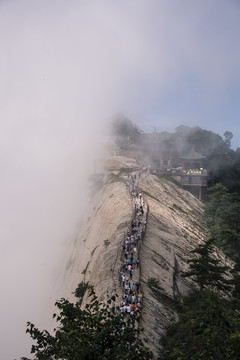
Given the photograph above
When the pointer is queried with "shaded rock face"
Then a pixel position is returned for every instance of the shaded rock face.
(172, 231)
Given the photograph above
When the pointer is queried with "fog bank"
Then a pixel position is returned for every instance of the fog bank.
(53, 112)
(44, 191)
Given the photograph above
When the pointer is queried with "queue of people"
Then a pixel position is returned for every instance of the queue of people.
(131, 302)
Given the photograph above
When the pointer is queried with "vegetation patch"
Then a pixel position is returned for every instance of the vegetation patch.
(171, 182)
(162, 225)
(179, 208)
(94, 332)
(167, 178)
(151, 196)
(161, 180)
(209, 323)
(222, 218)
(106, 243)
(93, 251)
(85, 270)
(80, 291)
(175, 275)
(112, 178)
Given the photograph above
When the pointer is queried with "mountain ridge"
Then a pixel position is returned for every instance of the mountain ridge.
(173, 230)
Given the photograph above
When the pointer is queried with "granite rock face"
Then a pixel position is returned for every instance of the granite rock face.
(173, 230)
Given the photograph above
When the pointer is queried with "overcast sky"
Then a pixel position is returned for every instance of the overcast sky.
(65, 67)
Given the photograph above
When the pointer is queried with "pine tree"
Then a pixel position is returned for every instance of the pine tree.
(235, 281)
(205, 270)
(222, 217)
(208, 328)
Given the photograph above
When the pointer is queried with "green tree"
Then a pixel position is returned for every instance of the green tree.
(215, 196)
(80, 291)
(96, 332)
(222, 217)
(228, 137)
(205, 270)
(208, 329)
(235, 281)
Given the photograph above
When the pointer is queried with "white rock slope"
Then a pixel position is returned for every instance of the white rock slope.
(173, 230)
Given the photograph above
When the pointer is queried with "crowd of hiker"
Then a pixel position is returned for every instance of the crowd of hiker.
(131, 302)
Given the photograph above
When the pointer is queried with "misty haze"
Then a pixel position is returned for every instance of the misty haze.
(95, 95)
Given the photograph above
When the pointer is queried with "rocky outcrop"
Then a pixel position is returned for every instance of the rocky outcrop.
(173, 230)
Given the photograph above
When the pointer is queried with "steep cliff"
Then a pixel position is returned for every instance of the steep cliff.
(172, 231)
(96, 252)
